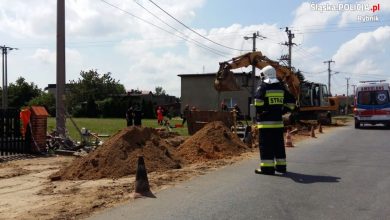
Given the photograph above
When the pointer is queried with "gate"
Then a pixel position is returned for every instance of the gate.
(11, 140)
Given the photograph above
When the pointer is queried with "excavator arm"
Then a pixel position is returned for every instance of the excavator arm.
(225, 80)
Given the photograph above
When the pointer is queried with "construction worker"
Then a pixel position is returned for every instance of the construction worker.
(137, 115)
(129, 116)
(185, 114)
(238, 111)
(160, 115)
(270, 100)
(224, 107)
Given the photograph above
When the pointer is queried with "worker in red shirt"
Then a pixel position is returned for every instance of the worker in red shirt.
(160, 115)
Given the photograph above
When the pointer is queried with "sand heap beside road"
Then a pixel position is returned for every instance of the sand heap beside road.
(213, 141)
(118, 156)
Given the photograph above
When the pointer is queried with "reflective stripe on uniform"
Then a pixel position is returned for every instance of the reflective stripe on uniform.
(274, 93)
(275, 97)
(280, 162)
(259, 102)
(290, 105)
(270, 124)
(267, 163)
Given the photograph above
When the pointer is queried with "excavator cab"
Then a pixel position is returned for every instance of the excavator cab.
(225, 80)
(313, 95)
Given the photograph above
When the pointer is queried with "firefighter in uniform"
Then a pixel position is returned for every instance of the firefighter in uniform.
(271, 101)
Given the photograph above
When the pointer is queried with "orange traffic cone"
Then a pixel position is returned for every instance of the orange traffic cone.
(320, 128)
(142, 188)
(288, 142)
(313, 134)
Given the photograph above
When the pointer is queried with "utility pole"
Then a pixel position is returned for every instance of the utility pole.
(329, 71)
(5, 50)
(354, 87)
(253, 75)
(60, 97)
(289, 44)
(347, 103)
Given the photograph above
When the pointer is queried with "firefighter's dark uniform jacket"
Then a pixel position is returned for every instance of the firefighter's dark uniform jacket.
(271, 101)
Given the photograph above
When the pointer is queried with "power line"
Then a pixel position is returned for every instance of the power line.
(192, 30)
(306, 55)
(151, 13)
(141, 19)
(318, 72)
(104, 43)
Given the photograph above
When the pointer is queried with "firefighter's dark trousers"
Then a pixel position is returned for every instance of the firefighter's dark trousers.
(272, 152)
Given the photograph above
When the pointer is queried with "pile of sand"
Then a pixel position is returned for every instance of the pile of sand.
(213, 141)
(118, 156)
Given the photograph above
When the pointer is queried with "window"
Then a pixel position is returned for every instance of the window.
(229, 102)
(305, 96)
(325, 91)
(373, 97)
(364, 98)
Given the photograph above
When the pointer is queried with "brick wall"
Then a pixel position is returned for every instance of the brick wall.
(39, 127)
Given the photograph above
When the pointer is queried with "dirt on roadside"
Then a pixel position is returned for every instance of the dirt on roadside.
(27, 192)
(119, 155)
(213, 141)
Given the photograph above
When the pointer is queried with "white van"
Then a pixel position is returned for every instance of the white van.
(372, 103)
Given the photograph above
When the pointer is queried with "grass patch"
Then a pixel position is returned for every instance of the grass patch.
(109, 126)
(343, 117)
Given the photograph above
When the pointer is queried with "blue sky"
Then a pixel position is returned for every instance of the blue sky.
(143, 56)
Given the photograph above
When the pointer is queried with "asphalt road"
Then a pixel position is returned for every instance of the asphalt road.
(344, 174)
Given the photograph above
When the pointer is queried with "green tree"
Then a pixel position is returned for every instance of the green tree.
(21, 92)
(92, 87)
(159, 91)
(47, 100)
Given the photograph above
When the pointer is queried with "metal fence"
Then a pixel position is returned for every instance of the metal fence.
(11, 140)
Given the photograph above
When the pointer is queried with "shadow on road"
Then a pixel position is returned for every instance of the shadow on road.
(307, 179)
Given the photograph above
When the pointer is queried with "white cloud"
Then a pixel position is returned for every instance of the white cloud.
(44, 56)
(363, 46)
(73, 57)
(149, 67)
(366, 56)
(306, 17)
(21, 19)
(86, 18)
(143, 56)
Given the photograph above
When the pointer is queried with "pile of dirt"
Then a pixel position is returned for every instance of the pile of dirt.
(213, 141)
(118, 156)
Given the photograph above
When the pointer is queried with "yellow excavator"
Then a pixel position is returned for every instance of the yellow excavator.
(313, 99)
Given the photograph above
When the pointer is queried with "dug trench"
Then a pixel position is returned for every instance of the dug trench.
(74, 188)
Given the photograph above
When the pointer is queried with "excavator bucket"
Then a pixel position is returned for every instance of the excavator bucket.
(225, 80)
